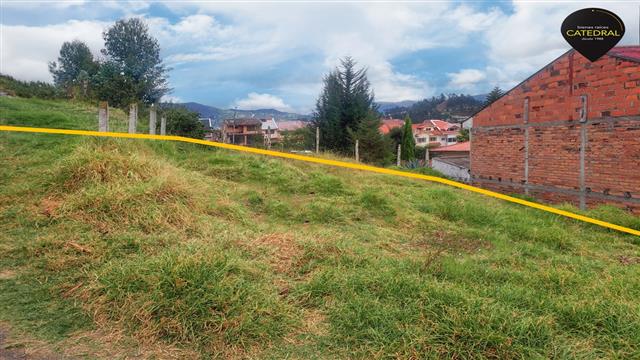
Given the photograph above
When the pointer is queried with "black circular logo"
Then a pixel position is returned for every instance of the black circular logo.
(592, 31)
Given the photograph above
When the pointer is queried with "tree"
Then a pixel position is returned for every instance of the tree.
(346, 101)
(494, 95)
(133, 58)
(463, 135)
(407, 151)
(74, 68)
(183, 122)
(112, 85)
(373, 147)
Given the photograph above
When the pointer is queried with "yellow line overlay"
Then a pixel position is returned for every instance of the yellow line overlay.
(337, 163)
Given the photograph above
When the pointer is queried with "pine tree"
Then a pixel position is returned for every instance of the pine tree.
(408, 142)
(373, 147)
(346, 101)
(494, 95)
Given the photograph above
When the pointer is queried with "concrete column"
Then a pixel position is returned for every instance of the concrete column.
(357, 153)
(525, 116)
(152, 119)
(103, 116)
(583, 151)
(163, 125)
(398, 160)
(317, 140)
(133, 118)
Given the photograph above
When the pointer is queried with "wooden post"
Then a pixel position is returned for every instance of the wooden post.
(152, 119)
(357, 153)
(163, 125)
(133, 118)
(317, 140)
(426, 155)
(398, 158)
(103, 116)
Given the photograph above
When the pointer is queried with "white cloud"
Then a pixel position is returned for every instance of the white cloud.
(466, 78)
(255, 101)
(171, 99)
(26, 50)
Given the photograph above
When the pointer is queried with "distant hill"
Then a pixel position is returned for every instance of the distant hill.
(451, 107)
(217, 114)
(386, 105)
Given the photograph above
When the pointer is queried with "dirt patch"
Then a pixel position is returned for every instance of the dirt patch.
(283, 250)
(629, 260)
(7, 275)
(11, 349)
(314, 323)
(49, 207)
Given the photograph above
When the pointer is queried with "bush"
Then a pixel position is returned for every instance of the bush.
(29, 89)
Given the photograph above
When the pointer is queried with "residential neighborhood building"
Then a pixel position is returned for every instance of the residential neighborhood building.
(429, 132)
(568, 133)
(291, 125)
(211, 132)
(243, 131)
(270, 131)
(452, 160)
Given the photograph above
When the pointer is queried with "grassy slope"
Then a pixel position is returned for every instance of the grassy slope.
(120, 246)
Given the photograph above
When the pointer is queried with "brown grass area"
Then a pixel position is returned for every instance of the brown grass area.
(282, 248)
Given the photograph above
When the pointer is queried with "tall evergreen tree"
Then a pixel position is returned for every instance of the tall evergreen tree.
(408, 148)
(346, 101)
(494, 95)
(74, 68)
(133, 55)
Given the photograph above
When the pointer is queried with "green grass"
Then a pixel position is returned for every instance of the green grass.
(223, 254)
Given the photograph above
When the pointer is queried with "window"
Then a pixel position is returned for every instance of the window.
(421, 140)
(433, 138)
(451, 140)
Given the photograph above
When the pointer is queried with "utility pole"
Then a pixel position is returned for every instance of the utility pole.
(317, 140)
(357, 153)
(398, 158)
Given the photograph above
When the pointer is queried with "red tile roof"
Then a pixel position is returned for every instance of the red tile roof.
(463, 146)
(290, 125)
(626, 52)
(389, 124)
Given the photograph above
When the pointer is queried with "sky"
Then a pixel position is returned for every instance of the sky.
(261, 54)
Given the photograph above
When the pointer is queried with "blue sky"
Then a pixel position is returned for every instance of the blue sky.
(274, 54)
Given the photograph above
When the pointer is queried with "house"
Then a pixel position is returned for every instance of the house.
(242, 131)
(435, 133)
(270, 131)
(291, 125)
(568, 133)
(452, 160)
(428, 132)
(211, 133)
(388, 124)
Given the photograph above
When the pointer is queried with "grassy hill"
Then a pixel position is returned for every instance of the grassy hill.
(121, 248)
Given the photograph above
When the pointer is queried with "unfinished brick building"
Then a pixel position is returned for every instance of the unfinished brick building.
(569, 133)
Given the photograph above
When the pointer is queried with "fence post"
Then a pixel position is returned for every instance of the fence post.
(103, 116)
(152, 119)
(133, 118)
(357, 153)
(398, 158)
(317, 140)
(426, 155)
(163, 125)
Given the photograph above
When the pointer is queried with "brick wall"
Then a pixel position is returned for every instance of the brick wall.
(537, 139)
